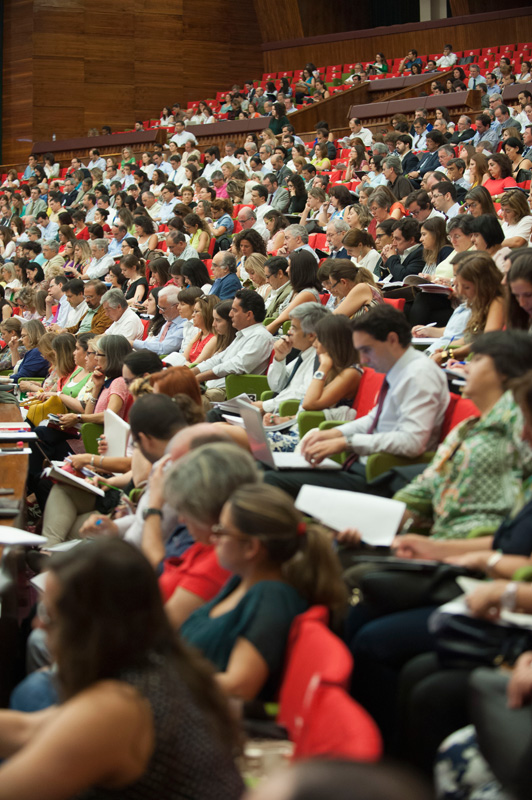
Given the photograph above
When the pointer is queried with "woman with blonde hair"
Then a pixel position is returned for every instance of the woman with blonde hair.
(358, 216)
(257, 274)
(280, 565)
(46, 399)
(33, 364)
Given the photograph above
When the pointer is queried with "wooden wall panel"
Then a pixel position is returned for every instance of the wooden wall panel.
(396, 43)
(72, 65)
(278, 21)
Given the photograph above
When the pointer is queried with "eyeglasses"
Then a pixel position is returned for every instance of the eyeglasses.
(333, 285)
(219, 530)
(469, 205)
(166, 307)
(434, 196)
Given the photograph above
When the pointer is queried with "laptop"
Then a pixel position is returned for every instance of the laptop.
(260, 446)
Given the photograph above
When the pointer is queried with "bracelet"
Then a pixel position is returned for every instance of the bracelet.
(509, 597)
(493, 560)
(92, 461)
(101, 460)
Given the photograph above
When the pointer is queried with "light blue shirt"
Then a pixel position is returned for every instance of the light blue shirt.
(171, 342)
(453, 330)
(115, 248)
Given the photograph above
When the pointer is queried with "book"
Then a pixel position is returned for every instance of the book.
(56, 473)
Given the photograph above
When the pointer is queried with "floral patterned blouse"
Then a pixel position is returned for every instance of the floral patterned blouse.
(475, 479)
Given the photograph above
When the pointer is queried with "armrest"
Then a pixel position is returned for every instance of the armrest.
(523, 574)
(288, 408)
(378, 463)
(267, 395)
(309, 419)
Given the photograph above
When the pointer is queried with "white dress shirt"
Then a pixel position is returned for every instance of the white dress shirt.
(249, 352)
(447, 61)
(214, 166)
(98, 163)
(178, 176)
(129, 325)
(412, 413)
(181, 138)
(99, 268)
(365, 134)
(75, 314)
(279, 373)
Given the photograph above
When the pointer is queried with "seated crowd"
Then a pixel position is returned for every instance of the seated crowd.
(159, 291)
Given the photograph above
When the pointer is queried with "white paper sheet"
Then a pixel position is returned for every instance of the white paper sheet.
(10, 537)
(116, 433)
(377, 518)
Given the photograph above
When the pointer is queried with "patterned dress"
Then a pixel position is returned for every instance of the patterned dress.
(475, 478)
(188, 762)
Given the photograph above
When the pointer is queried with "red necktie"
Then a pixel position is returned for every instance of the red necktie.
(380, 402)
(164, 331)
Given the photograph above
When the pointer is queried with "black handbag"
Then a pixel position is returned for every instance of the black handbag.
(468, 642)
(389, 585)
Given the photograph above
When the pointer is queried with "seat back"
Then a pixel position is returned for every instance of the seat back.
(368, 390)
(313, 654)
(335, 726)
(397, 302)
(459, 409)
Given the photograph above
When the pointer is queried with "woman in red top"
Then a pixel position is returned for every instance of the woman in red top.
(203, 345)
(81, 231)
(501, 178)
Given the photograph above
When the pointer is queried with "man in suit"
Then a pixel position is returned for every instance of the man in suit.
(405, 255)
(463, 132)
(429, 160)
(336, 231)
(409, 160)
(36, 204)
(278, 197)
(502, 115)
(281, 171)
(527, 141)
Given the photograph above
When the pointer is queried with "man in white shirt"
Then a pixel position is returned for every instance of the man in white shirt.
(289, 105)
(74, 292)
(292, 380)
(103, 202)
(356, 130)
(177, 173)
(170, 337)
(420, 135)
(96, 160)
(151, 204)
(406, 420)
(250, 350)
(178, 248)
(124, 320)
(259, 198)
(181, 135)
(89, 206)
(212, 162)
(265, 153)
(230, 148)
(101, 261)
(49, 230)
(170, 199)
(444, 199)
(248, 219)
(448, 59)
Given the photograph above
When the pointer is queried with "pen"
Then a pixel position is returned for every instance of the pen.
(430, 325)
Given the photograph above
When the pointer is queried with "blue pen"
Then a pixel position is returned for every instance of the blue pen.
(98, 522)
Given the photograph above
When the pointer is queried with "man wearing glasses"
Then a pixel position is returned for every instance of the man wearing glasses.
(170, 337)
(419, 206)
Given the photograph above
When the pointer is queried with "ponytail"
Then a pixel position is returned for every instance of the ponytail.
(302, 550)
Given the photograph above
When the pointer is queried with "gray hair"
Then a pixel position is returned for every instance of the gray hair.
(203, 480)
(448, 148)
(148, 194)
(496, 97)
(394, 162)
(115, 298)
(102, 244)
(250, 214)
(52, 244)
(228, 261)
(217, 175)
(170, 292)
(379, 147)
(309, 314)
(298, 231)
(267, 147)
(339, 224)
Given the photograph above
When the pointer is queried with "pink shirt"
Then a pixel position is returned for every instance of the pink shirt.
(222, 191)
(119, 387)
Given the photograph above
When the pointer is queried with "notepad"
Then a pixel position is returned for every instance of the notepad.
(11, 537)
(377, 518)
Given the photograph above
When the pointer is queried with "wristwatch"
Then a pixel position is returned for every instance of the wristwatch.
(509, 597)
(148, 512)
(319, 375)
